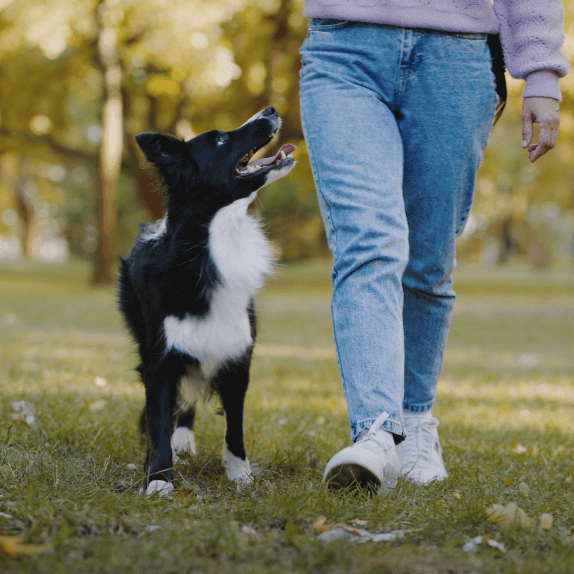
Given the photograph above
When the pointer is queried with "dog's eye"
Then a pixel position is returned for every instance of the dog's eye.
(222, 139)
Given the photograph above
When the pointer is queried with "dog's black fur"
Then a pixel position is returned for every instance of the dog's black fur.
(187, 287)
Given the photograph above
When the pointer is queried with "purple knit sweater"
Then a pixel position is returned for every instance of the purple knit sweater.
(530, 30)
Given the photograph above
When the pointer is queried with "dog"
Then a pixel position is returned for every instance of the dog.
(187, 286)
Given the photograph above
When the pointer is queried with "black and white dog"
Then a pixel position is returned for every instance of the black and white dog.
(187, 287)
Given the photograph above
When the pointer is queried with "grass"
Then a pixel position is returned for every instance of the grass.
(71, 481)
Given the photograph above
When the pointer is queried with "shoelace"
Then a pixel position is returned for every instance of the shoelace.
(424, 445)
(376, 426)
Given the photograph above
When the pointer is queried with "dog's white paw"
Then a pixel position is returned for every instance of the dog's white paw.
(162, 487)
(182, 440)
(236, 469)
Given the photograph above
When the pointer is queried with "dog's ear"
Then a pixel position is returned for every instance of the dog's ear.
(160, 149)
(167, 153)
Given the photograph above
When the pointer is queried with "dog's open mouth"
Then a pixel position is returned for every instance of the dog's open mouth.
(282, 156)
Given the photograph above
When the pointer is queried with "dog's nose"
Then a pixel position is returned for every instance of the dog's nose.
(269, 111)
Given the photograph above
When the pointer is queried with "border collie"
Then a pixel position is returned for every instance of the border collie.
(187, 287)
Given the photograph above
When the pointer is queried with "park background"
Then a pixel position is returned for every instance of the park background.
(78, 79)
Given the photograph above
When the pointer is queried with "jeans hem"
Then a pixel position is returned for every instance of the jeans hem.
(393, 427)
(407, 408)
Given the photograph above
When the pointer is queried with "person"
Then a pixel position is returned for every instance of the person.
(397, 104)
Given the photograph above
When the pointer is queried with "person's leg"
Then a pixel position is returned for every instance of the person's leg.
(446, 113)
(356, 155)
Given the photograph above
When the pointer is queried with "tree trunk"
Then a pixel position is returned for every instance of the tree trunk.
(110, 157)
(13, 168)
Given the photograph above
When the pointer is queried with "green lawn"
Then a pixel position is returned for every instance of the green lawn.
(506, 405)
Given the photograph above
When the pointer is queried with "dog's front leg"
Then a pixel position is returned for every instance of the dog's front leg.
(232, 386)
(160, 387)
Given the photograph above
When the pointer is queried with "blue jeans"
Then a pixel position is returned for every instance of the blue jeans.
(396, 121)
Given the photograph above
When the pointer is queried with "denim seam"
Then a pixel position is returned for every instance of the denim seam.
(399, 82)
(333, 230)
(318, 182)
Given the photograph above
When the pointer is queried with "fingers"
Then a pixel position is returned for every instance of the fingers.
(546, 141)
(526, 131)
(544, 144)
(544, 112)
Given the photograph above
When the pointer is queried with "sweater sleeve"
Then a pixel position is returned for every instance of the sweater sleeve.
(531, 36)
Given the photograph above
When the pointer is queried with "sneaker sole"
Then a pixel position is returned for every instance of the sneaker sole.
(344, 475)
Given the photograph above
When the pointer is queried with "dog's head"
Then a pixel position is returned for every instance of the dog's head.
(214, 167)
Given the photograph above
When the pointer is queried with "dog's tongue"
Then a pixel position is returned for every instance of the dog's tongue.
(286, 149)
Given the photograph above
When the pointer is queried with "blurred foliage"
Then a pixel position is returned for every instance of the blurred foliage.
(192, 65)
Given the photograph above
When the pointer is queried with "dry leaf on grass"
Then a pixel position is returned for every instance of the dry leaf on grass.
(505, 515)
(187, 493)
(13, 546)
(320, 524)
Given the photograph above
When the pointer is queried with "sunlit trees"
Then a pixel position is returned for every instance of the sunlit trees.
(79, 79)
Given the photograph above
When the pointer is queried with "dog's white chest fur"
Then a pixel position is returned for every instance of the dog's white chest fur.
(242, 255)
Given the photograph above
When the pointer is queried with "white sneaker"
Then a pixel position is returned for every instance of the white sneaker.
(420, 453)
(372, 462)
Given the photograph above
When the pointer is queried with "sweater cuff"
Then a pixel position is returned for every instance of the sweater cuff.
(542, 84)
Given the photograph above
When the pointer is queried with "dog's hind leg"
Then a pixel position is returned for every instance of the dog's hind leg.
(161, 386)
(231, 383)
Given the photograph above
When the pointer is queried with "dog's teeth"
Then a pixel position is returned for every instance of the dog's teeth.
(283, 156)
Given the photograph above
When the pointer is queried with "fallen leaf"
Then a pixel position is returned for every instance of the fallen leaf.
(320, 524)
(505, 515)
(13, 546)
(187, 493)
(507, 481)
(546, 521)
(457, 495)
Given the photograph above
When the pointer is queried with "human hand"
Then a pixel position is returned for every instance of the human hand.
(544, 112)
